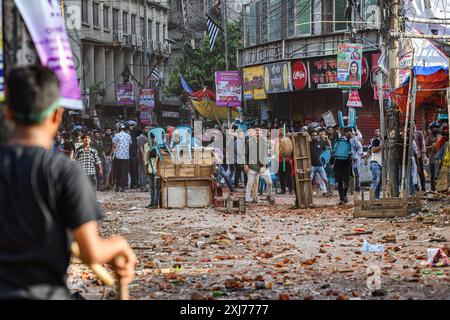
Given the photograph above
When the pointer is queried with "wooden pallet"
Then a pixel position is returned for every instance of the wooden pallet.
(384, 208)
(302, 166)
(186, 192)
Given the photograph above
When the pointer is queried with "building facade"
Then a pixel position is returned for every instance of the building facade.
(110, 48)
(304, 35)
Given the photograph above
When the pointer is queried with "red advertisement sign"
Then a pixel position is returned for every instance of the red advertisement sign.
(354, 100)
(299, 75)
(323, 73)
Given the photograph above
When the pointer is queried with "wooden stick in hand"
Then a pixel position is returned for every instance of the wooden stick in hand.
(102, 274)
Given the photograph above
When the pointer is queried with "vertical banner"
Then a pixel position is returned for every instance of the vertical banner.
(2, 60)
(349, 66)
(147, 104)
(228, 89)
(147, 98)
(46, 26)
(125, 94)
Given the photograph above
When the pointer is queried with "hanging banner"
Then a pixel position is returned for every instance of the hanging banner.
(46, 26)
(299, 75)
(349, 66)
(354, 100)
(277, 77)
(146, 116)
(364, 71)
(376, 92)
(322, 73)
(253, 83)
(125, 94)
(228, 88)
(2, 60)
(147, 98)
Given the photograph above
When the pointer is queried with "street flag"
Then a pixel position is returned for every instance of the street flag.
(155, 74)
(213, 31)
(185, 85)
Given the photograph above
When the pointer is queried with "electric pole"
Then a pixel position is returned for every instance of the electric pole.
(393, 119)
(145, 43)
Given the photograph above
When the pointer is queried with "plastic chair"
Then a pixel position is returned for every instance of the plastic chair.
(184, 135)
(161, 141)
(351, 123)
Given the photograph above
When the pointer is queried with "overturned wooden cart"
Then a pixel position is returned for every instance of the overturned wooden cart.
(187, 183)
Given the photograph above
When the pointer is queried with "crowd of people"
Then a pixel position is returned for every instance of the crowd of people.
(123, 158)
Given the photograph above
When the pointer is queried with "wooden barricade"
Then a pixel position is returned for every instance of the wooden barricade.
(302, 166)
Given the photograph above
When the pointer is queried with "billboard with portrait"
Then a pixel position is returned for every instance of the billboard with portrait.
(349, 66)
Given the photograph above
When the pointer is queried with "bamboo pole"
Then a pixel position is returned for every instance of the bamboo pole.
(405, 133)
(411, 136)
(383, 132)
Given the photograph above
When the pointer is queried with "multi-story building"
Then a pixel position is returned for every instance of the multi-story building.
(110, 48)
(308, 32)
(303, 36)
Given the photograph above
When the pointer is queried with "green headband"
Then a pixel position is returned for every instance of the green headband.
(37, 117)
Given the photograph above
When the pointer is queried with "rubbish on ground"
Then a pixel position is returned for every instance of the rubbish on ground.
(389, 238)
(438, 257)
(132, 209)
(368, 247)
(357, 233)
(217, 294)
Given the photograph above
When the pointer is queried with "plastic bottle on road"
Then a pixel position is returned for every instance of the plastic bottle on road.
(367, 247)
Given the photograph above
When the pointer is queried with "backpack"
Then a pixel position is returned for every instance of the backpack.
(342, 149)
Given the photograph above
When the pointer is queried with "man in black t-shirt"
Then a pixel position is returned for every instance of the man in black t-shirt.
(45, 198)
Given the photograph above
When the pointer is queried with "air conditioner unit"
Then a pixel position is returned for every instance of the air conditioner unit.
(133, 40)
(139, 41)
(118, 36)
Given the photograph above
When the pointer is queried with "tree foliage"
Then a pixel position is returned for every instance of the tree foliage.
(198, 67)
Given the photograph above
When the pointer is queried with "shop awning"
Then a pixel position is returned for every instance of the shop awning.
(431, 84)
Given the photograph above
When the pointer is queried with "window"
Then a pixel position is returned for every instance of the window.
(142, 24)
(274, 20)
(133, 24)
(340, 7)
(105, 17)
(250, 24)
(125, 22)
(304, 17)
(150, 30)
(84, 11)
(115, 19)
(292, 20)
(95, 9)
(327, 15)
(158, 32)
(164, 32)
(264, 21)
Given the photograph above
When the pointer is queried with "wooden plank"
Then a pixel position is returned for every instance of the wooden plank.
(380, 213)
(302, 165)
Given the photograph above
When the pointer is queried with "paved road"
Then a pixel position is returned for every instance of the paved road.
(271, 252)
